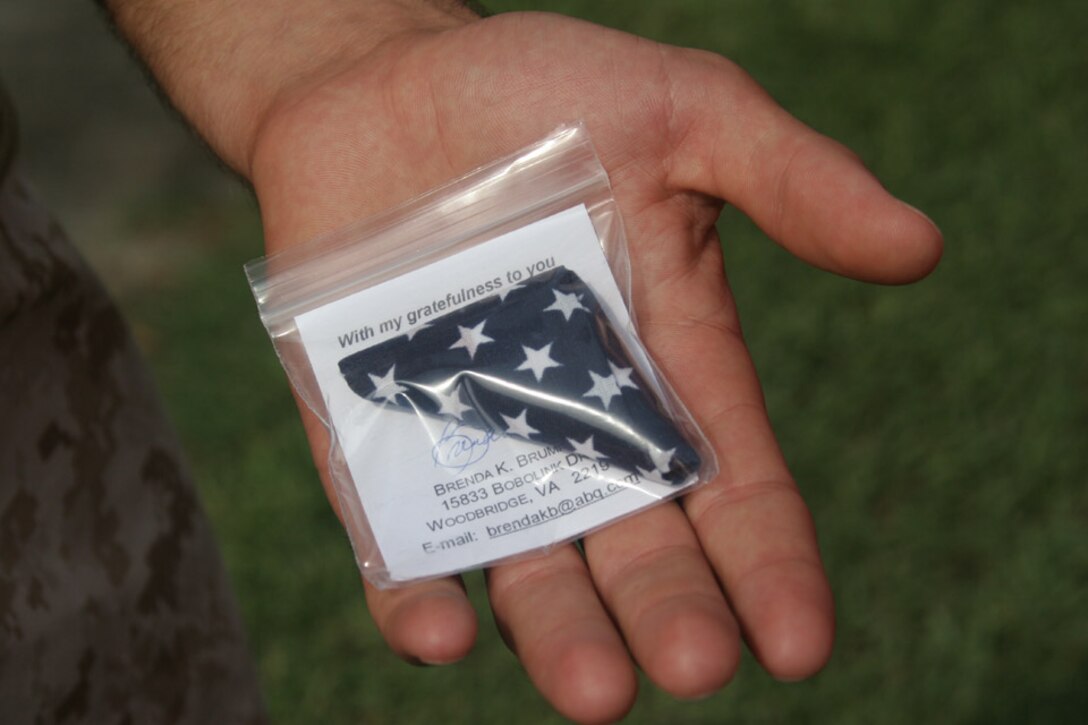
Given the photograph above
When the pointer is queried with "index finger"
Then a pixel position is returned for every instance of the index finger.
(751, 522)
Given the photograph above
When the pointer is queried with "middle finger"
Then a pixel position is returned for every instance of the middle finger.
(652, 574)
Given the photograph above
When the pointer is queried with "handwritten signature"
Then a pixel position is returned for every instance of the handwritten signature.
(461, 445)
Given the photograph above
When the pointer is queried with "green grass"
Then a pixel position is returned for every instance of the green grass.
(940, 432)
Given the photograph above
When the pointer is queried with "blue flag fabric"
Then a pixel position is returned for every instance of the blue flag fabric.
(539, 361)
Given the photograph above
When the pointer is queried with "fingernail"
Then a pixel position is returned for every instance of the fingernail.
(434, 663)
(922, 214)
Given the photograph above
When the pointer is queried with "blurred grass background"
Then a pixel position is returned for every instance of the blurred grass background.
(939, 432)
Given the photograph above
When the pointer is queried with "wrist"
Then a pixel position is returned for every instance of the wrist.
(227, 67)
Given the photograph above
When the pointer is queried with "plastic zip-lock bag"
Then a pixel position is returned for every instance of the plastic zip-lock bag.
(475, 360)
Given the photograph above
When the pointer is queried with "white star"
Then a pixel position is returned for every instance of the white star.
(566, 304)
(385, 387)
(412, 333)
(662, 459)
(471, 338)
(519, 426)
(648, 475)
(538, 360)
(604, 387)
(585, 448)
(453, 405)
(622, 376)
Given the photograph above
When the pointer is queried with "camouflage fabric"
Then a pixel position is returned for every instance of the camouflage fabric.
(7, 132)
(114, 606)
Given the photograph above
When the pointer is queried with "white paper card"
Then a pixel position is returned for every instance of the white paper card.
(441, 501)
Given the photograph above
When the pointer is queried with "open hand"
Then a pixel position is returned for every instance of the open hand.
(673, 589)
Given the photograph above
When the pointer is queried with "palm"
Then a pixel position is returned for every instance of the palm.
(677, 131)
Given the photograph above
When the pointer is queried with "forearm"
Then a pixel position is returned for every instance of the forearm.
(226, 63)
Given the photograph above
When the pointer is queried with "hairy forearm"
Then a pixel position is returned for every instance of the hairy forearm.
(226, 63)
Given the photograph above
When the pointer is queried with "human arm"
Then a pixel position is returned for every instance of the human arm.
(367, 126)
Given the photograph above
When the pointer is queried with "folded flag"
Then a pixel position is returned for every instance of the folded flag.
(540, 362)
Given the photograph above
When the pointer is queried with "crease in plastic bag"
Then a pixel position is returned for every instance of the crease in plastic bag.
(512, 411)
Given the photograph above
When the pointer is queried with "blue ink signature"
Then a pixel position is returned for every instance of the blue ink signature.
(461, 445)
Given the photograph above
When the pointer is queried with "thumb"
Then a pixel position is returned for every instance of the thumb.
(807, 192)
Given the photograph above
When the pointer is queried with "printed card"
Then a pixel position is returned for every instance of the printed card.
(493, 403)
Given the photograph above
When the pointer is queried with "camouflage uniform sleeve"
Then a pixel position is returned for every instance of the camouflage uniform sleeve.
(114, 604)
